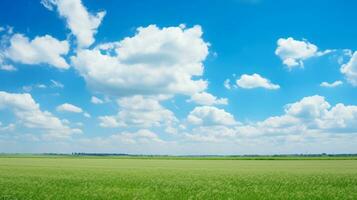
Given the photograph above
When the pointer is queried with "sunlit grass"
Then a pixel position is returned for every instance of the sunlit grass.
(92, 178)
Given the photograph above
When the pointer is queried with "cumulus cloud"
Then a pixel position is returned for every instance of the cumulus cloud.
(209, 124)
(207, 99)
(209, 115)
(293, 52)
(29, 114)
(40, 50)
(350, 69)
(66, 107)
(331, 85)
(311, 118)
(82, 23)
(108, 121)
(154, 61)
(139, 111)
(314, 115)
(255, 81)
(308, 108)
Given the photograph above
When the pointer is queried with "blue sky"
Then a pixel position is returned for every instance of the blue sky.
(184, 77)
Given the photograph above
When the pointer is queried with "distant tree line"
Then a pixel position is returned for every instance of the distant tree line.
(247, 155)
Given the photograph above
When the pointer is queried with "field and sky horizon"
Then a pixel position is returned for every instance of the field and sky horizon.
(185, 90)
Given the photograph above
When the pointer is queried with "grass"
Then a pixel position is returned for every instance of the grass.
(126, 178)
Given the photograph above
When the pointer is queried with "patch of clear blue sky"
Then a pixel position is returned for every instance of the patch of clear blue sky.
(242, 33)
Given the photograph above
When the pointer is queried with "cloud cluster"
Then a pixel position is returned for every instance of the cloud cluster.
(40, 50)
(207, 99)
(29, 114)
(209, 115)
(308, 119)
(315, 113)
(155, 61)
(139, 111)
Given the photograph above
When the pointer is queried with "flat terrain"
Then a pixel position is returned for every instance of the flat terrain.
(124, 178)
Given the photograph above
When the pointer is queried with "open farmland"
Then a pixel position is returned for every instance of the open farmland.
(127, 178)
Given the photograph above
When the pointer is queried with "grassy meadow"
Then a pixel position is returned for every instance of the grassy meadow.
(126, 178)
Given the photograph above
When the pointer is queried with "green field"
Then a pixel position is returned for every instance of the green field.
(126, 178)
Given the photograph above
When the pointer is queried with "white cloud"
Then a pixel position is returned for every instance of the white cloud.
(315, 113)
(293, 52)
(311, 118)
(227, 84)
(155, 61)
(331, 85)
(41, 50)
(340, 117)
(209, 115)
(66, 107)
(350, 69)
(255, 81)
(28, 112)
(207, 99)
(96, 100)
(139, 111)
(82, 24)
(108, 121)
(308, 108)
(9, 68)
